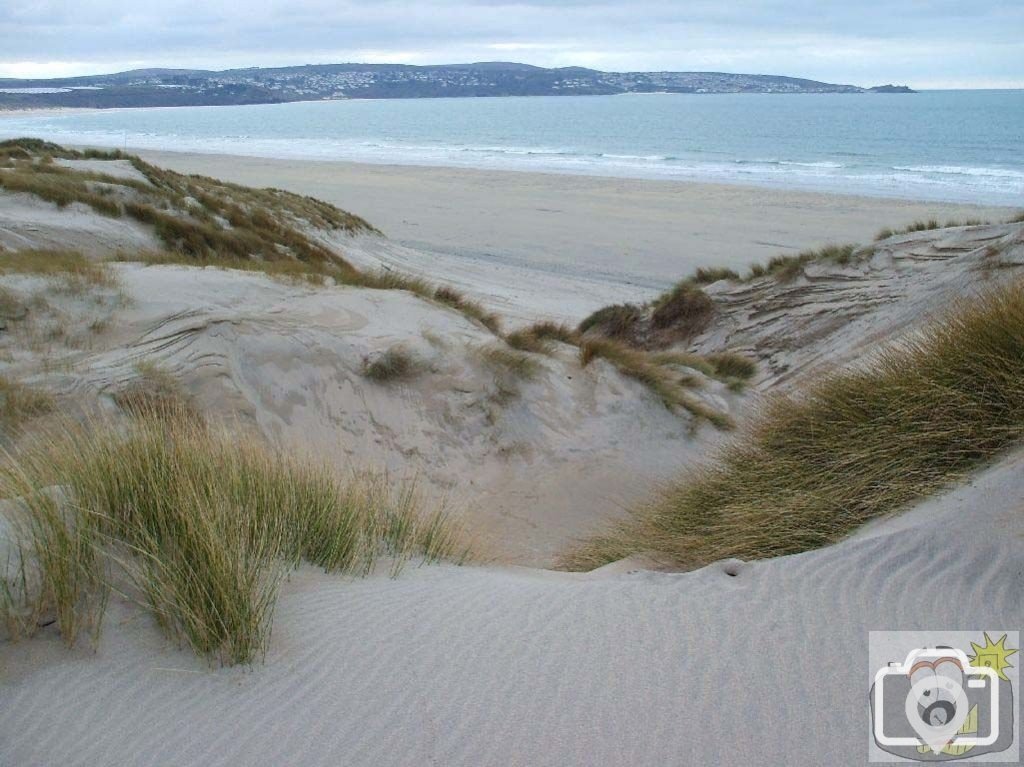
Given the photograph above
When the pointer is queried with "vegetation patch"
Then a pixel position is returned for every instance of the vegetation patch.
(208, 222)
(789, 267)
(654, 372)
(708, 275)
(686, 309)
(73, 272)
(202, 523)
(12, 306)
(20, 402)
(678, 314)
(618, 321)
(927, 225)
(155, 392)
(472, 309)
(508, 362)
(538, 338)
(395, 364)
(855, 446)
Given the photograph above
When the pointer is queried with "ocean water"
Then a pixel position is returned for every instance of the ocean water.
(942, 145)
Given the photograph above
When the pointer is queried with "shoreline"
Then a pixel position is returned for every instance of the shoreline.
(638, 233)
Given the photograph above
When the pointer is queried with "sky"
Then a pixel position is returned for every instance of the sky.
(921, 43)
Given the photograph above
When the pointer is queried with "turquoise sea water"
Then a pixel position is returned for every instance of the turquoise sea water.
(944, 145)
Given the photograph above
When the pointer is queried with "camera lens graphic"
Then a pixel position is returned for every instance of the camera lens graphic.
(938, 713)
(936, 707)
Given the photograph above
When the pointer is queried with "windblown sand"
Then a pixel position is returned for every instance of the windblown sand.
(757, 663)
(469, 666)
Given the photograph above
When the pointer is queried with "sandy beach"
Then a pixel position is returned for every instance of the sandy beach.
(629, 234)
(744, 653)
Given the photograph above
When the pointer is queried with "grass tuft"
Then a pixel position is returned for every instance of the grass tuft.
(686, 309)
(925, 225)
(537, 338)
(509, 362)
(395, 364)
(203, 523)
(154, 393)
(617, 321)
(855, 446)
(654, 372)
(473, 309)
(74, 272)
(707, 275)
(20, 403)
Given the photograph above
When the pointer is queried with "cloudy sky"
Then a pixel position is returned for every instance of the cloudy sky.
(924, 43)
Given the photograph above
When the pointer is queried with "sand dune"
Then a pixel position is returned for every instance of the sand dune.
(470, 666)
(536, 461)
(493, 664)
(611, 234)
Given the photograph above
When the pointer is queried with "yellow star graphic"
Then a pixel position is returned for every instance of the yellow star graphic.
(993, 655)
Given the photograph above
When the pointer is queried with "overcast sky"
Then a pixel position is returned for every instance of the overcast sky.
(923, 43)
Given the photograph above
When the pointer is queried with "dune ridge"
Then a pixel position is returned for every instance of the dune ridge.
(469, 666)
(733, 663)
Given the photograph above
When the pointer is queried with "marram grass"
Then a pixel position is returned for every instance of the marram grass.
(860, 444)
(203, 523)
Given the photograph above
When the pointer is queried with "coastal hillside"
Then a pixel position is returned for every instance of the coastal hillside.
(193, 87)
(294, 318)
(285, 325)
(269, 498)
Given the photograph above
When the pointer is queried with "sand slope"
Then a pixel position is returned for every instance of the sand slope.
(831, 314)
(759, 663)
(468, 666)
(628, 232)
(533, 462)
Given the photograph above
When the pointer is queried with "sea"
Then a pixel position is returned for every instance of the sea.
(964, 146)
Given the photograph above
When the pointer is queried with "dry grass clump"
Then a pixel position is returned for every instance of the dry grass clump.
(538, 338)
(12, 306)
(654, 372)
(386, 279)
(202, 523)
(395, 364)
(1017, 219)
(508, 362)
(286, 270)
(472, 309)
(789, 267)
(155, 392)
(686, 309)
(928, 225)
(729, 365)
(20, 403)
(706, 275)
(56, 187)
(858, 445)
(680, 313)
(617, 321)
(74, 272)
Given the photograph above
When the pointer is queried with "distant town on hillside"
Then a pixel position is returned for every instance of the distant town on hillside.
(193, 87)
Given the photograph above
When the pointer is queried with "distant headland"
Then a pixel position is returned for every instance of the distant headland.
(194, 87)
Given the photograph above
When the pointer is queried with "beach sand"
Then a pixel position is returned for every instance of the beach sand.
(507, 666)
(631, 234)
(755, 663)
